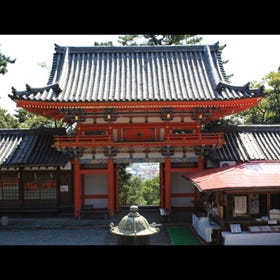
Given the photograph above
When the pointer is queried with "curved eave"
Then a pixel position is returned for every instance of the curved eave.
(221, 98)
(232, 103)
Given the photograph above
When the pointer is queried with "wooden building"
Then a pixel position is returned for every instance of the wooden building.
(34, 177)
(136, 104)
(245, 189)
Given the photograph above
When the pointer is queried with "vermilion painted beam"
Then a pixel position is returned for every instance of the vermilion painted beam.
(106, 140)
(126, 106)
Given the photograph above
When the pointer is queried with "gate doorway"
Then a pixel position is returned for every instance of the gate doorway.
(139, 184)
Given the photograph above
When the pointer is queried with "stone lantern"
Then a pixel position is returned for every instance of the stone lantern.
(134, 229)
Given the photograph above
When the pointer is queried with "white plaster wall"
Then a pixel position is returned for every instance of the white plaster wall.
(88, 120)
(96, 184)
(155, 155)
(182, 201)
(123, 120)
(100, 156)
(154, 119)
(139, 155)
(138, 119)
(123, 155)
(180, 184)
(40, 168)
(86, 156)
(67, 166)
(97, 203)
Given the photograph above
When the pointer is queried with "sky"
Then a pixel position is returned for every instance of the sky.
(251, 57)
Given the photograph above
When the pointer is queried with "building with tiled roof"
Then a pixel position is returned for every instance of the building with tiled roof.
(30, 148)
(242, 186)
(250, 142)
(32, 172)
(86, 77)
(136, 104)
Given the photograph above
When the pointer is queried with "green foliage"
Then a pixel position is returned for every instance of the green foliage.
(4, 60)
(133, 190)
(29, 120)
(268, 109)
(109, 43)
(232, 120)
(124, 176)
(151, 191)
(155, 39)
(128, 40)
(7, 120)
(124, 182)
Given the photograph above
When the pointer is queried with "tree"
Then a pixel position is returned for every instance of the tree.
(155, 39)
(215, 124)
(4, 60)
(7, 120)
(109, 43)
(268, 109)
(151, 191)
(124, 179)
(135, 191)
(29, 120)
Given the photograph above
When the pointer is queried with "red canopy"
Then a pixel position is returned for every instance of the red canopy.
(242, 176)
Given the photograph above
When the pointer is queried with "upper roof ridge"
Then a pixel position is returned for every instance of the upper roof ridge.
(138, 48)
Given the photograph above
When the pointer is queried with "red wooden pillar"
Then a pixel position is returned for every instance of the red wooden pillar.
(117, 202)
(162, 189)
(111, 210)
(167, 176)
(77, 188)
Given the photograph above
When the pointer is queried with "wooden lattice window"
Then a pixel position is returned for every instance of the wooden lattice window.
(40, 186)
(9, 186)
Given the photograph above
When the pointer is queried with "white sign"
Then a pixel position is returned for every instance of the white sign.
(64, 188)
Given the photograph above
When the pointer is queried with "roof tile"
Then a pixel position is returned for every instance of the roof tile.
(137, 73)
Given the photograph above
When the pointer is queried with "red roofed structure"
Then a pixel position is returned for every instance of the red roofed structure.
(251, 176)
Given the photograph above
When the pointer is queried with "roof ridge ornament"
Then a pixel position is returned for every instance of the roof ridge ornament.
(29, 90)
(222, 86)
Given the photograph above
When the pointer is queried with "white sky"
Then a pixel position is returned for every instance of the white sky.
(250, 57)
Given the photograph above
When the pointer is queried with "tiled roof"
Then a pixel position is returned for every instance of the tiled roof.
(251, 142)
(30, 147)
(137, 73)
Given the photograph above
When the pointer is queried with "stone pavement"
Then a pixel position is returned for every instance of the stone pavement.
(84, 231)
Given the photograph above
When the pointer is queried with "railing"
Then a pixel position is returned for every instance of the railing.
(196, 139)
(107, 140)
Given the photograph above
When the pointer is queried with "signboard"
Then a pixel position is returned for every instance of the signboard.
(64, 188)
(240, 204)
